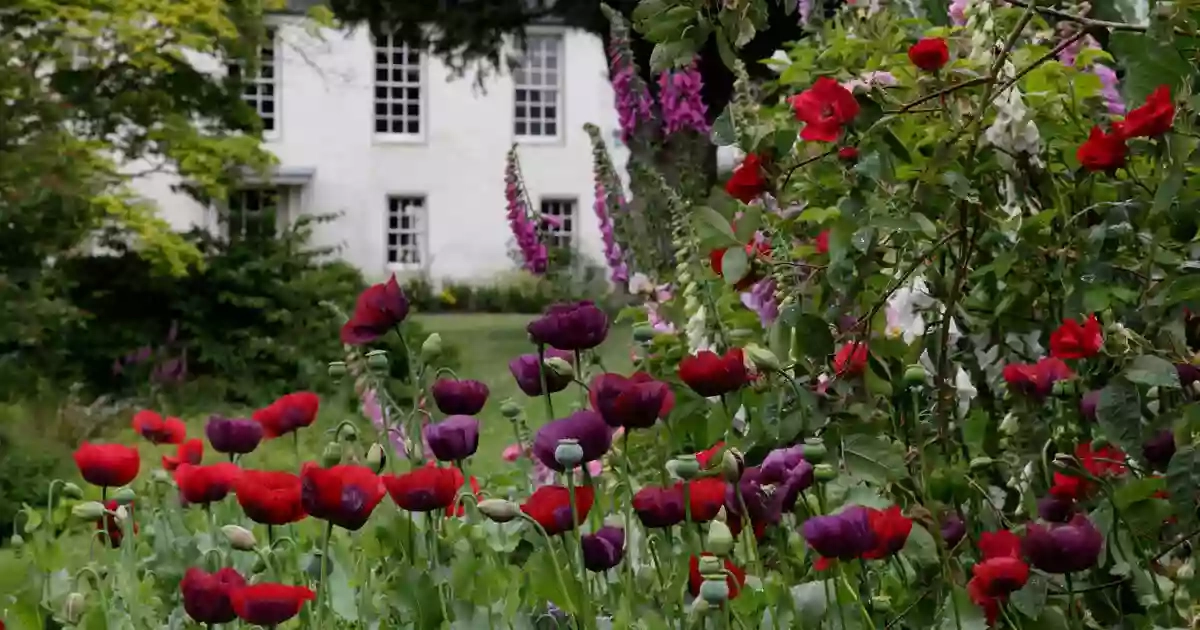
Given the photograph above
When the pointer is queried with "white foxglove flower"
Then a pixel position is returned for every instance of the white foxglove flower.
(964, 390)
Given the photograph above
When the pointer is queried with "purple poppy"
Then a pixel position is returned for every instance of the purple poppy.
(578, 326)
(1055, 509)
(787, 469)
(1188, 373)
(1063, 547)
(1159, 449)
(456, 397)
(604, 549)
(453, 439)
(233, 435)
(525, 370)
(586, 427)
(1088, 404)
(953, 529)
(845, 535)
(636, 402)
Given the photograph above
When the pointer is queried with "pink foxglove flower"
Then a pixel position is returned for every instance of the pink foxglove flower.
(612, 251)
(683, 107)
(524, 228)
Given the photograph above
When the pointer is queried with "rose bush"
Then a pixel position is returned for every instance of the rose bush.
(938, 373)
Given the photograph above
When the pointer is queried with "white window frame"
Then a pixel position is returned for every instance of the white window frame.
(236, 223)
(532, 78)
(395, 204)
(554, 235)
(404, 84)
(259, 84)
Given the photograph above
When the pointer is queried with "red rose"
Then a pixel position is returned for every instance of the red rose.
(190, 452)
(1102, 151)
(206, 596)
(107, 465)
(153, 427)
(824, 109)
(851, 359)
(269, 498)
(735, 578)
(1075, 341)
(1036, 380)
(706, 497)
(1150, 120)
(344, 495)
(822, 242)
(380, 308)
(425, 489)
(747, 181)
(205, 484)
(929, 54)
(847, 154)
(710, 374)
(269, 605)
(550, 507)
(891, 529)
(289, 413)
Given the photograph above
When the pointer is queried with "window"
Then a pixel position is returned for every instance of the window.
(252, 213)
(538, 91)
(260, 90)
(558, 222)
(397, 87)
(406, 231)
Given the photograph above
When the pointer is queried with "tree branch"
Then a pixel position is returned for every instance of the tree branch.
(1091, 23)
(953, 88)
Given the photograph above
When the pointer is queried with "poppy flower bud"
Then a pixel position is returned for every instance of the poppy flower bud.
(714, 590)
(814, 450)
(732, 465)
(720, 538)
(88, 511)
(73, 608)
(332, 455)
(377, 360)
(431, 348)
(124, 496)
(915, 375)
(510, 409)
(762, 358)
(687, 467)
(313, 568)
(568, 453)
(161, 476)
(239, 537)
(499, 510)
(72, 491)
(1099, 442)
(981, 463)
(1009, 425)
(644, 333)
(376, 458)
(347, 432)
(16, 541)
(560, 367)
(337, 369)
(824, 472)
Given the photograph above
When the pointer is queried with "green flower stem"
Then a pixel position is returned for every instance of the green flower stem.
(750, 541)
(579, 378)
(628, 568)
(322, 589)
(562, 583)
(861, 604)
(588, 619)
(1071, 621)
(542, 380)
(431, 539)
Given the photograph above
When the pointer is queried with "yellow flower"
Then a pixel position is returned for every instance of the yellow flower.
(448, 297)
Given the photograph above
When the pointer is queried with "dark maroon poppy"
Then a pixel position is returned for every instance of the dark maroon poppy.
(659, 507)
(953, 529)
(289, 413)
(1063, 547)
(453, 439)
(269, 497)
(1159, 449)
(578, 326)
(269, 605)
(1188, 373)
(380, 308)
(107, 465)
(710, 374)
(550, 507)
(525, 370)
(635, 402)
(158, 430)
(604, 549)
(206, 596)
(343, 495)
(425, 489)
(455, 397)
(586, 427)
(1056, 509)
(206, 484)
(1088, 404)
(236, 436)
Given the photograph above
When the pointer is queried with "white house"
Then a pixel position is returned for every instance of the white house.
(413, 157)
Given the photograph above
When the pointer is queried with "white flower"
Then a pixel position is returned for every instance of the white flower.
(778, 62)
(640, 283)
(1010, 424)
(964, 390)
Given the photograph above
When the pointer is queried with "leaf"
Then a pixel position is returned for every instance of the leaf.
(874, 458)
(813, 338)
(1149, 62)
(1183, 482)
(711, 226)
(728, 57)
(734, 265)
(341, 593)
(1168, 190)
(811, 600)
(1137, 490)
(1031, 598)
(920, 548)
(958, 613)
(723, 134)
(1152, 371)
(1119, 413)
(748, 224)
(33, 518)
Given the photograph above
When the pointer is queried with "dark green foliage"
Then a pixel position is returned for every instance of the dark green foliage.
(25, 475)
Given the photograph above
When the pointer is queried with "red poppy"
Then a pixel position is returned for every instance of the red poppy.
(190, 452)
(206, 596)
(107, 465)
(822, 242)
(735, 578)
(747, 181)
(550, 507)
(929, 54)
(1067, 487)
(824, 109)
(847, 154)
(269, 498)
(206, 484)
(380, 308)
(1036, 380)
(706, 497)
(705, 456)
(891, 529)
(994, 580)
(1106, 461)
(659, 507)
(1150, 120)
(289, 413)
(851, 359)
(999, 544)
(269, 605)
(153, 427)
(114, 531)
(710, 374)
(425, 489)
(1073, 340)
(344, 495)
(754, 252)
(1102, 151)
(459, 509)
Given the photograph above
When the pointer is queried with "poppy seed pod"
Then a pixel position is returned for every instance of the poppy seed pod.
(337, 369)
(332, 455)
(510, 409)
(568, 453)
(72, 491)
(824, 472)
(687, 467)
(814, 450)
(377, 360)
(915, 375)
(431, 348)
(560, 367)
(714, 590)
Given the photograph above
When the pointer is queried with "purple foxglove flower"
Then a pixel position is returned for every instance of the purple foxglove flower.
(1087, 405)
(1063, 547)
(525, 369)
(845, 535)
(958, 12)
(453, 439)
(683, 107)
(604, 549)
(586, 427)
(456, 397)
(524, 228)
(1158, 450)
(233, 435)
(1055, 509)
(577, 326)
(953, 530)
(612, 251)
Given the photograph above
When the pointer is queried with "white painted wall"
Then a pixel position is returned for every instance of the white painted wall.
(326, 123)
